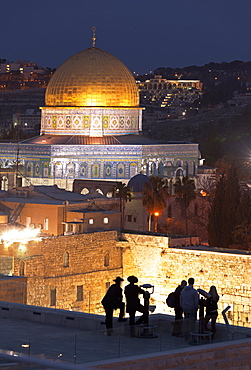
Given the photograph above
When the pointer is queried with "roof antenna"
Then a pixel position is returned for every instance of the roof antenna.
(93, 36)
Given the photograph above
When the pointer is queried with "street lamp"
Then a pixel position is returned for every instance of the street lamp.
(156, 215)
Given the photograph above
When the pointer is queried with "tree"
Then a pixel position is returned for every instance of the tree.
(242, 231)
(184, 189)
(155, 194)
(123, 192)
(224, 210)
(216, 215)
(230, 205)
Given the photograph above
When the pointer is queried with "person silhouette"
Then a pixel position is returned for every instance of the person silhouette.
(178, 310)
(112, 301)
(189, 302)
(211, 304)
(132, 292)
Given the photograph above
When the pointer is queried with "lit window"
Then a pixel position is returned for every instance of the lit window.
(21, 268)
(28, 221)
(106, 259)
(66, 259)
(46, 224)
(106, 220)
(53, 297)
(91, 221)
(80, 293)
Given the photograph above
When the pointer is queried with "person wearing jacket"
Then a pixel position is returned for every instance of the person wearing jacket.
(132, 292)
(111, 301)
(178, 310)
(211, 304)
(189, 302)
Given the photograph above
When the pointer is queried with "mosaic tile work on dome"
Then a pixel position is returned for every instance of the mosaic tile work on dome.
(92, 78)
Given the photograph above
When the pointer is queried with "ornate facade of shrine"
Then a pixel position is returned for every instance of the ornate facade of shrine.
(90, 129)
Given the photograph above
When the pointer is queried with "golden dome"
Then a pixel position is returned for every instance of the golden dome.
(92, 78)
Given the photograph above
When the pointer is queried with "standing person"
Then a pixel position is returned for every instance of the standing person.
(132, 292)
(211, 308)
(178, 310)
(113, 300)
(189, 302)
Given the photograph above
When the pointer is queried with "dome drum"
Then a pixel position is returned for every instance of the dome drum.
(91, 121)
(92, 93)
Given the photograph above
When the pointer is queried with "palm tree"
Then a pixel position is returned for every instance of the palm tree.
(185, 190)
(123, 192)
(155, 193)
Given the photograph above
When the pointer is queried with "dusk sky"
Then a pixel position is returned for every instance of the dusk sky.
(142, 34)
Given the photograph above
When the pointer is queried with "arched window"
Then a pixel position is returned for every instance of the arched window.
(106, 259)
(179, 172)
(84, 191)
(160, 169)
(4, 183)
(70, 170)
(99, 191)
(22, 268)
(58, 170)
(66, 259)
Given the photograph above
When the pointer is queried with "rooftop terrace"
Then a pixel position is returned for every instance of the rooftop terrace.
(76, 340)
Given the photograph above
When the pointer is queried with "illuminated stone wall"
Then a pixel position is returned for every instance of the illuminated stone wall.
(154, 263)
(65, 263)
(94, 260)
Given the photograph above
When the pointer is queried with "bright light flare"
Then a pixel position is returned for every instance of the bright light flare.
(22, 236)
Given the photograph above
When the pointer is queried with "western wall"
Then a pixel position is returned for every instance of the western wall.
(58, 269)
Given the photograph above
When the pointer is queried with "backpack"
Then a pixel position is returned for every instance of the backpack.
(170, 301)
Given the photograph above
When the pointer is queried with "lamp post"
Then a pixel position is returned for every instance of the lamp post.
(156, 215)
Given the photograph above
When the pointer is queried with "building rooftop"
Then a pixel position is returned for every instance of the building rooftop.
(44, 333)
(43, 194)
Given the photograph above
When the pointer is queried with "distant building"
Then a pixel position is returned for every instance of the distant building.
(173, 96)
(27, 121)
(59, 212)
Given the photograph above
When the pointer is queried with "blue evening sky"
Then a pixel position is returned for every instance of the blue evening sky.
(143, 34)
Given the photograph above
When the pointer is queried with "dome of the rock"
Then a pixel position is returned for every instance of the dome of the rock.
(92, 78)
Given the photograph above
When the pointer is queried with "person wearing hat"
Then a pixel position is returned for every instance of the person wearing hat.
(113, 300)
(132, 292)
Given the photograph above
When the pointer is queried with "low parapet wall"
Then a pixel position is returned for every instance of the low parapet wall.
(51, 316)
(218, 356)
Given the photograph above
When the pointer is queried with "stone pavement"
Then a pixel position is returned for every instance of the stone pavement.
(73, 345)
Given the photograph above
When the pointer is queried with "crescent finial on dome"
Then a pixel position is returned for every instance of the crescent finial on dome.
(93, 36)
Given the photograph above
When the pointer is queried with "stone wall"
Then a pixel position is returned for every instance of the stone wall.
(94, 260)
(234, 355)
(153, 262)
